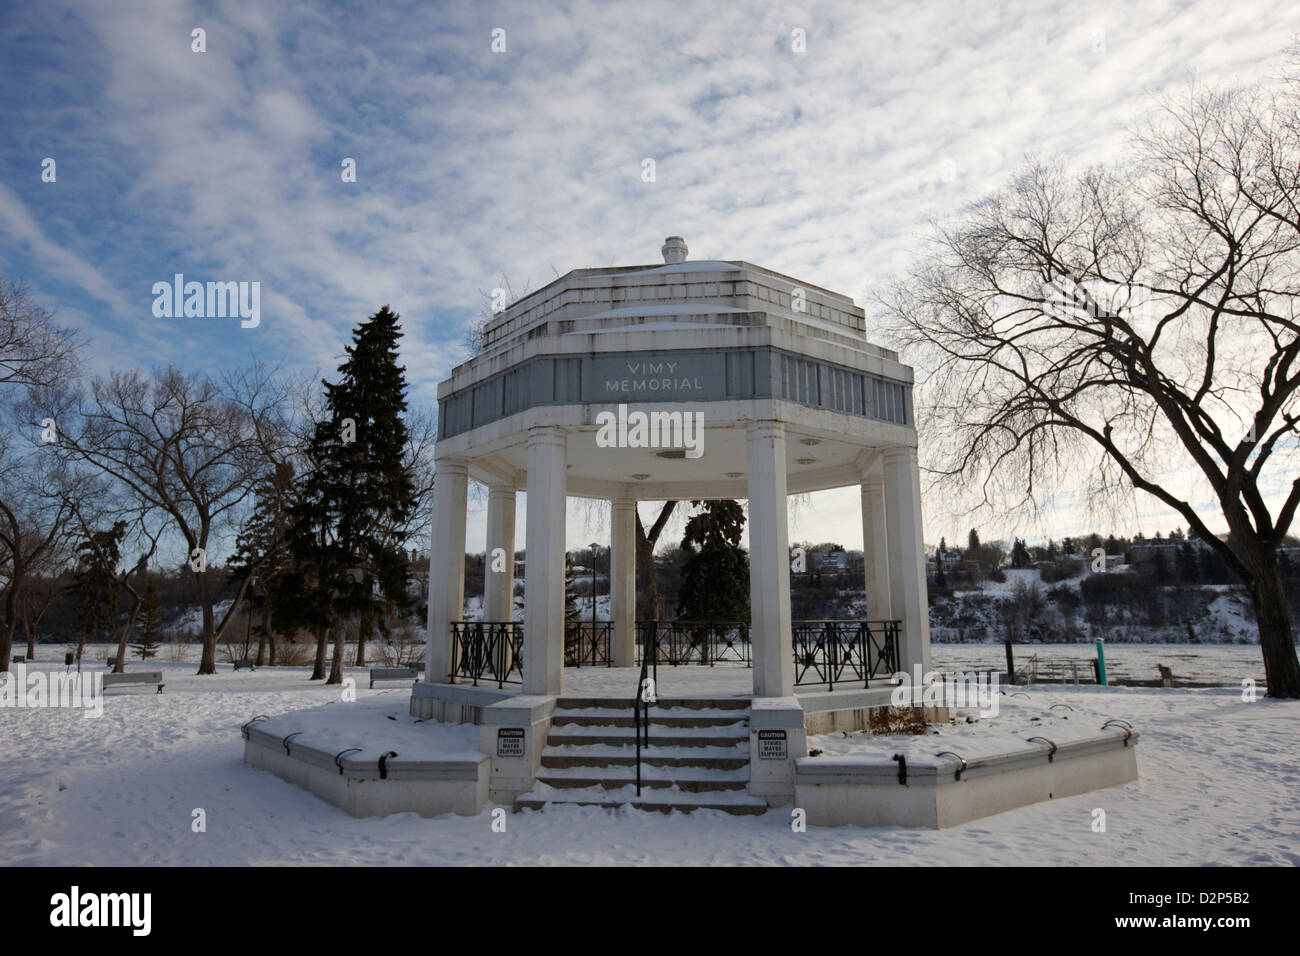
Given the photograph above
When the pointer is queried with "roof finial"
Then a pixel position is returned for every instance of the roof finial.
(674, 250)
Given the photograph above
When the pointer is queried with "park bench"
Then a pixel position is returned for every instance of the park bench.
(20, 659)
(245, 662)
(392, 673)
(137, 678)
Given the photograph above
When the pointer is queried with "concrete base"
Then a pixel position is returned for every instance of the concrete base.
(454, 703)
(512, 736)
(853, 791)
(828, 713)
(424, 787)
(773, 722)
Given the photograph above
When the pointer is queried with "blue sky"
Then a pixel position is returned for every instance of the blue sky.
(825, 164)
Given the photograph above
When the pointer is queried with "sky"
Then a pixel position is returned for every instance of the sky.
(818, 140)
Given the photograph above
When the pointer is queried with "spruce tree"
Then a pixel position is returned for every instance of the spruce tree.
(150, 626)
(94, 583)
(358, 494)
(262, 552)
(715, 575)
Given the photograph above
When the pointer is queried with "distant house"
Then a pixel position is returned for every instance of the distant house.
(945, 559)
(1146, 549)
(830, 561)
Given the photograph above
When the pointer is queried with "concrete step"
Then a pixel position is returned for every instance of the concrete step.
(593, 717)
(688, 779)
(603, 755)
(626, 703)
(658, 799)
(586, 735)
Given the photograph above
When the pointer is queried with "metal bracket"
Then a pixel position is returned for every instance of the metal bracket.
(902, 768)
(338, 757)
(383, 764)
(949, 753)
(1127, 727)
(1051, 753)
(285, 740)
(243, 731)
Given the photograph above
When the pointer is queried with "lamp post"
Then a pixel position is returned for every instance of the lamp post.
(594, 546)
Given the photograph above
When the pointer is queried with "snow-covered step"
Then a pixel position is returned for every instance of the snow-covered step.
(696, 755)
(606, 755)
(725, 735)
(664, 800)
(678, 717)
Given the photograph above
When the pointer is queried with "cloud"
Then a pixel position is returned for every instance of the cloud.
(824, 164)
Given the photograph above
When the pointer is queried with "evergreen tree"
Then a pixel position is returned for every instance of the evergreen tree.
(572, 613)
(1019, 554)
(715, 575)
(94, 582)
(262, 552)
(1187, 566)
(358, 494)
(150, 626)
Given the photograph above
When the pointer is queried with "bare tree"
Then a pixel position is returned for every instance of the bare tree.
(188, 447)
(1132, 328)
(37, 359)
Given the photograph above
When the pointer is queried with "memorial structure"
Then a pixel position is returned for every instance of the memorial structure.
(792, 398)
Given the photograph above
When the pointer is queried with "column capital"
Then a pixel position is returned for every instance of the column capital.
(873, 484)
(501, 491)
(452, 467)
(897, 454)
(622, 503)
(547, 435)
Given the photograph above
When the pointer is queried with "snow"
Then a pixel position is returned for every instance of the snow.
(1218, 783)
(376, 725)
(1018, 719)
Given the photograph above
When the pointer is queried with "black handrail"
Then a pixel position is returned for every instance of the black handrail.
(649, 659)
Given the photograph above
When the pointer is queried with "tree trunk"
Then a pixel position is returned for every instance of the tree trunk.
(647, 581)
(261, 639)
(6, 645)
(208, 663)
(1276, 643)
(364, 626)
(270, 634)
(340, 645)
(120, 666)
(322, 638)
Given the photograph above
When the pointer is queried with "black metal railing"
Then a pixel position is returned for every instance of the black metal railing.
(587, 643)
(647, 692)
(488, 651)
(826, 652)
(695, 642)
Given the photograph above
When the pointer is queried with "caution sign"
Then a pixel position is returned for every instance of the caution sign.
(772, 745)
(510, 741)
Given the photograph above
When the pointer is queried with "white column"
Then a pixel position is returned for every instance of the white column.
(498, 585)
(907, 589)
(544, 570)
(446, 566)
(769, 562)
(875, 549)
(622, 580)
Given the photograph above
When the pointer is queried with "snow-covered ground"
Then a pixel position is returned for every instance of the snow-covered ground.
(1218, 784)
